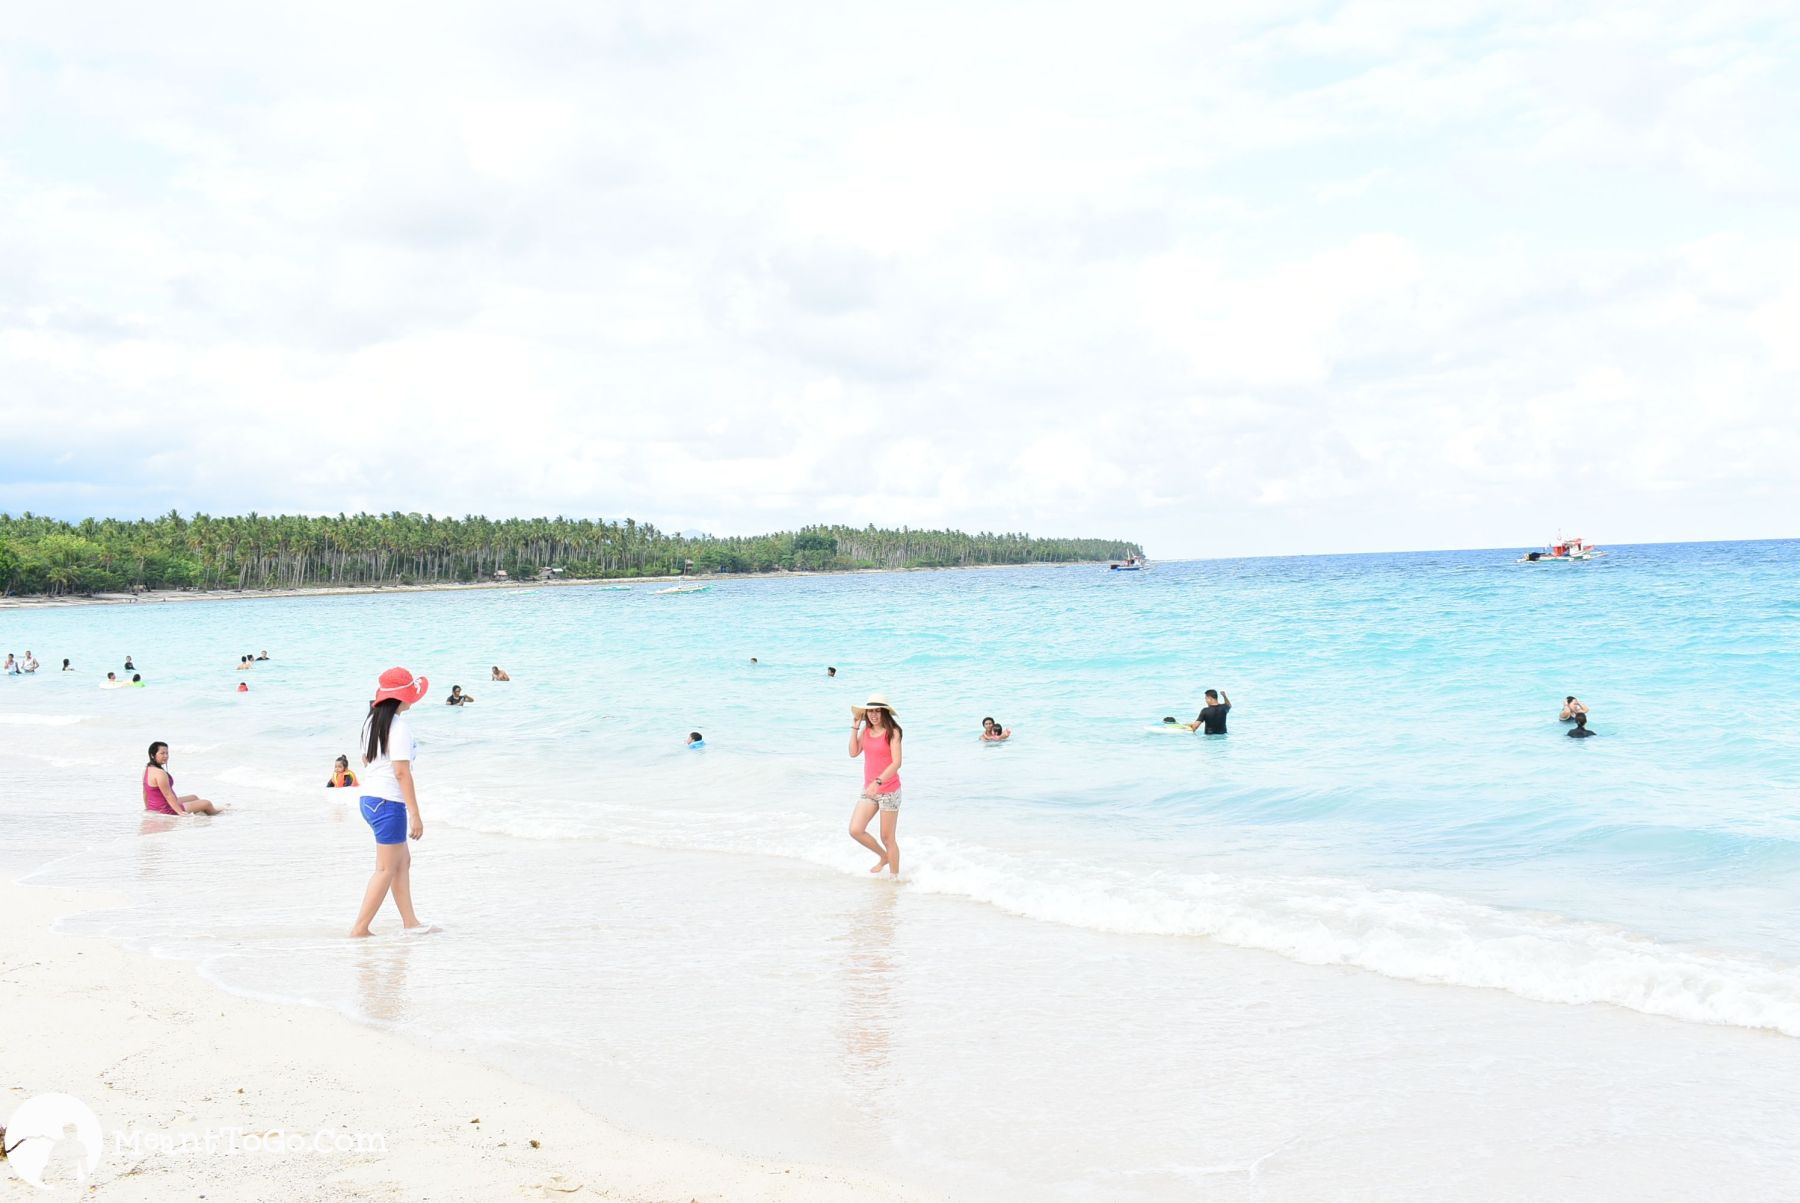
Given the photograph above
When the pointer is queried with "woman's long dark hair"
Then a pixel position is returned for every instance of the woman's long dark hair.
(158, 744)
(375, 728)
(892, 723)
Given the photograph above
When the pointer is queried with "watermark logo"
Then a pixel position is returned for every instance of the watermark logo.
(49, 1130)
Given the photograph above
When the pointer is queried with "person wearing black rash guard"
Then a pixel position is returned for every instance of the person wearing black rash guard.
(1580, 729)
(1212, 715)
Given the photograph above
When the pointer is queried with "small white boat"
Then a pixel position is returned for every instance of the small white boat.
(682, 589)
(1563, 551)
(1130, 564)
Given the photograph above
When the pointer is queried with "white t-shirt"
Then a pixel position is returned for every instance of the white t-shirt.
(378, 780)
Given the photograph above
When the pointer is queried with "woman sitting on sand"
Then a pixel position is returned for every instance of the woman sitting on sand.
(390, 800)
(159, 788)
(875, 736)
(341, 776)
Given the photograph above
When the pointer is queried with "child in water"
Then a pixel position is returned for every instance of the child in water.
(341, 776)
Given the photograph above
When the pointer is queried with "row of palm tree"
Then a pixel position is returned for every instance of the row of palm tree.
(290, 551)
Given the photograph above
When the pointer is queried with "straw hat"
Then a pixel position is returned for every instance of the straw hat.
(875, 700)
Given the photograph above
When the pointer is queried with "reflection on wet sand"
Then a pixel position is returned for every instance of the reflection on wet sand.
(871, 977)
(381, 980)
(150, 854)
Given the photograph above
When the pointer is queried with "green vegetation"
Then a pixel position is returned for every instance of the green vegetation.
(43, 555)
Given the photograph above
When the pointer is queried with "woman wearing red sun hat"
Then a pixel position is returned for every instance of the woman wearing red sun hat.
(390, 802)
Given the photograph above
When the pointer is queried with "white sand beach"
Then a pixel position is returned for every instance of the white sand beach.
(162, 1056)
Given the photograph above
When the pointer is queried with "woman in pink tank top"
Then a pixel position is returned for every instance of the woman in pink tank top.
(875, 736)
(159, 788)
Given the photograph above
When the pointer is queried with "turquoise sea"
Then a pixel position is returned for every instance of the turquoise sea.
(1395, 936)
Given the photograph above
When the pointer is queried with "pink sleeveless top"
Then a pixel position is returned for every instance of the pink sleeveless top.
(153, 797)
(877, 755)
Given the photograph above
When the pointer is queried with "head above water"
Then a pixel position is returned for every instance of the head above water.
(159, 753)
(830, 671)
(1570, 698)
(988, 722)
(455, 690)
(1581, 720)
(694, 737)
(137, 676)
(342, 763)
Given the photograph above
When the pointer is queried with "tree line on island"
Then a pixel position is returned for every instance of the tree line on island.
(41, 555)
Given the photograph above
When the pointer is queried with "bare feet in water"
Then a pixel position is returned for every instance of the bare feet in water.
(879, 865)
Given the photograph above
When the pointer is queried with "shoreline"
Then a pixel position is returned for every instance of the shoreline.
(188, 1079)
(165, 596)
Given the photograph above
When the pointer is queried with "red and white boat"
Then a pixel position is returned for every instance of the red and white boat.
(1563, 551)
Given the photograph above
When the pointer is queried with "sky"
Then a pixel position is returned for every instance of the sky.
(1225, 279)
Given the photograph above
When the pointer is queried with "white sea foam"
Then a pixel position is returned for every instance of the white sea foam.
(1407, 934)
(39, 720)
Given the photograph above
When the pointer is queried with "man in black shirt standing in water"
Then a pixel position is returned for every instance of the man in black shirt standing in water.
(1212, 715)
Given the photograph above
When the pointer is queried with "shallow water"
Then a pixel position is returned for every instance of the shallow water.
(1124, 964)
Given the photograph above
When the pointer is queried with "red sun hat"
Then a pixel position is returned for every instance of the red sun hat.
(400, 683)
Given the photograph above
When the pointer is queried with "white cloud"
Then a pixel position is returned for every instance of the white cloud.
(1322, 277)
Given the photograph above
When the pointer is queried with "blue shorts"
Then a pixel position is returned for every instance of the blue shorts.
(387, 818)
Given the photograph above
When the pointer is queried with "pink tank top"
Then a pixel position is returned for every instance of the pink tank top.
(153, 797)
(877, 755)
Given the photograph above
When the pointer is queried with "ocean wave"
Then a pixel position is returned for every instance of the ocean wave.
(40, 720)
(1412, 935)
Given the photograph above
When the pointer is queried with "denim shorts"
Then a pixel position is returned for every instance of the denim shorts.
(386, 818)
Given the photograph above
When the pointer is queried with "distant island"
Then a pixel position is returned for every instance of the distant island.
(47, 556)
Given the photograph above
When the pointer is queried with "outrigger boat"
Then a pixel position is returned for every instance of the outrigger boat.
(1130, 564)
(1563, 551)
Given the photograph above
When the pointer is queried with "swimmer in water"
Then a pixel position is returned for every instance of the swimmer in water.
(159, 788)
(830, 672)
(67, 667)
(265, 654)
(129, 666)
(696, 740)
(341, 776)
(1212, 715)
(243, 664)
(458, 697)
(137, 679)
(875, 735)
(1580, 729)
(499, 674)
(31, 664)
(993, 731)
(1572, 708)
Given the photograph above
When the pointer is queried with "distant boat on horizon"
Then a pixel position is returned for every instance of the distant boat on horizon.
(1563, 551)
